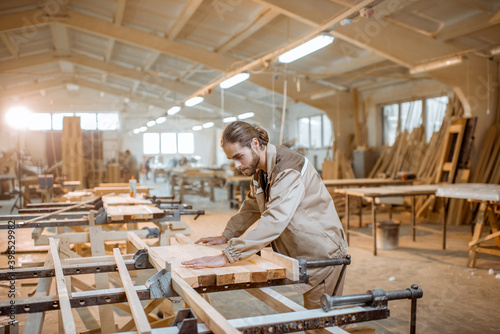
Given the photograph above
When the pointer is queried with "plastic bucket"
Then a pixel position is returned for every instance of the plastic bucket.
(388, 234)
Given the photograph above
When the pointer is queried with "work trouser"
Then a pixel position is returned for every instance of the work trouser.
(312, 298)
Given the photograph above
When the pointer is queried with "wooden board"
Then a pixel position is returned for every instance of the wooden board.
(134, 212)
(124, 199)
(425, 189)
(364, 182)
(255, 269)
(101, 191)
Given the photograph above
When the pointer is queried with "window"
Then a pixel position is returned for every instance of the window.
(412, 114)
(315, 132)
(40, 121)
(151, 143)
(108, 121)
(168, 143)
(435, 112)
(186, 143)
(88, 121)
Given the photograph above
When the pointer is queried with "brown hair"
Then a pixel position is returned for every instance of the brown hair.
(243, 133)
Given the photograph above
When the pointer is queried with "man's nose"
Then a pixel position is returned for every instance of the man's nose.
(237, 164)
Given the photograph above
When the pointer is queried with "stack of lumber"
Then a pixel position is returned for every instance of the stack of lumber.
(410, 151)
(72, 150)
(255, 269)
(339, 168)
(133, 212)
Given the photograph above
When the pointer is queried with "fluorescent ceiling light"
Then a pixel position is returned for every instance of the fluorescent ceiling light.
(160, 120)
(18, 117)
(197, 127)
(323, 94)
(208, 125)
(229, 119)
(495, 51)
(151, 123)
(72, 87)
(174, 110)
(437, 65)
(311, 46)
(193, 101)
(234, 80)
(143, 128)
(136, 131)
(246, 115)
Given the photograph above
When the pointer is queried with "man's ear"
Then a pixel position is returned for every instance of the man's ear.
(255, 143)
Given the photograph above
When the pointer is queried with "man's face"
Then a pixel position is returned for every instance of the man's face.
(245, 159)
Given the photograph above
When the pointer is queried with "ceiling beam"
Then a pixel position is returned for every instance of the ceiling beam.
(187, 12)
(8, 43)
(13, 65)
(120, 11)
(467, 26)
(31, 87)
(153, 57)
(266, 16)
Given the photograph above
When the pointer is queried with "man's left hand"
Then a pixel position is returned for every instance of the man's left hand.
(207, 262)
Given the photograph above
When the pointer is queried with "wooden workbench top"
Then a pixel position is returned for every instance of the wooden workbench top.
(133, 212)
(364, 182)
(424, 189)
(123, 199)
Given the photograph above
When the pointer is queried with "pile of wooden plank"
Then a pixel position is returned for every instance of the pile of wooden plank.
(339, 168)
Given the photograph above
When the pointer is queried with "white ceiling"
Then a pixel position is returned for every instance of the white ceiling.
(160, 52)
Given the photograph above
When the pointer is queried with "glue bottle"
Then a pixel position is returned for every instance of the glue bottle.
(132, 186)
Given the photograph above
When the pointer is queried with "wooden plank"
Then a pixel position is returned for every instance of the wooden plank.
(140, 318)
(34, 323)
(134, 212)
(50, 214)
(83, 237)
(68, 322)
(291, 265)
(150, 307)
(101, 191)
(106, 315)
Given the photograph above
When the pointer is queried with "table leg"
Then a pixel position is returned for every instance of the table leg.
(374, 223)
(230, 194)
(361, 212)
(413, 218)
(347, 216)
(443, 222)
(243, 194)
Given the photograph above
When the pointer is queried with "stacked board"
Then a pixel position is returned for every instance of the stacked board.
(253, 270)
(124, 199)
(133, 212)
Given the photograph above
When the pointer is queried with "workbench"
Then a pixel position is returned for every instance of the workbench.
(374, 193)
(194, 181)
(239, 181)
(172, 280)
(337, 183)
(488, 197)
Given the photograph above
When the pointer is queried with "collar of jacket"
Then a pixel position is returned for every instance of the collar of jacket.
(271, 158)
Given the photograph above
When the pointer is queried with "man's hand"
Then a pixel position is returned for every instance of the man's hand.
(207, 262)
(212, 240)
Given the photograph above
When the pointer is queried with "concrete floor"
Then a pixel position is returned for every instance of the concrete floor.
(456, 299)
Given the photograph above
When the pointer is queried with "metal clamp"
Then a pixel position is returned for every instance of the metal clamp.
(160, 285)
(186, 321)
(141, 258)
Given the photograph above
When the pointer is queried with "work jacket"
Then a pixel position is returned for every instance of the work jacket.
(292, 211)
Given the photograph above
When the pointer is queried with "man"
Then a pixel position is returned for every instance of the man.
(288, 200)
(130, 165)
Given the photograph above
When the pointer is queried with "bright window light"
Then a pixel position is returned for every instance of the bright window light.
(143, 128)
(151, 123)
(88, 121)
(40, 121)
(108, 121)
(193, 101)
(186, 143)
(169, 143)
(197, 128)
(307, 48)
(160, 120)
(151, 143)
(246, 115)
(208, 125)
(233, 81)
(229, 119)
(136, 131)
(17, 117)
(174, 110)
(57, 120)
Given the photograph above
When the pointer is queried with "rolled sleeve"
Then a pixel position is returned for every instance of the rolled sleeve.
(287, 192)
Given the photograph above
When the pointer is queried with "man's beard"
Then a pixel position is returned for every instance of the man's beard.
(253, 165)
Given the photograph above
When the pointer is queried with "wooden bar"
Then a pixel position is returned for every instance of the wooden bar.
(140, 318)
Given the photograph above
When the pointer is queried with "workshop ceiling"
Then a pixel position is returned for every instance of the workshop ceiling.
(145, 56)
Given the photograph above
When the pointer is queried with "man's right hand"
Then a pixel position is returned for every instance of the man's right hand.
(212, 240)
